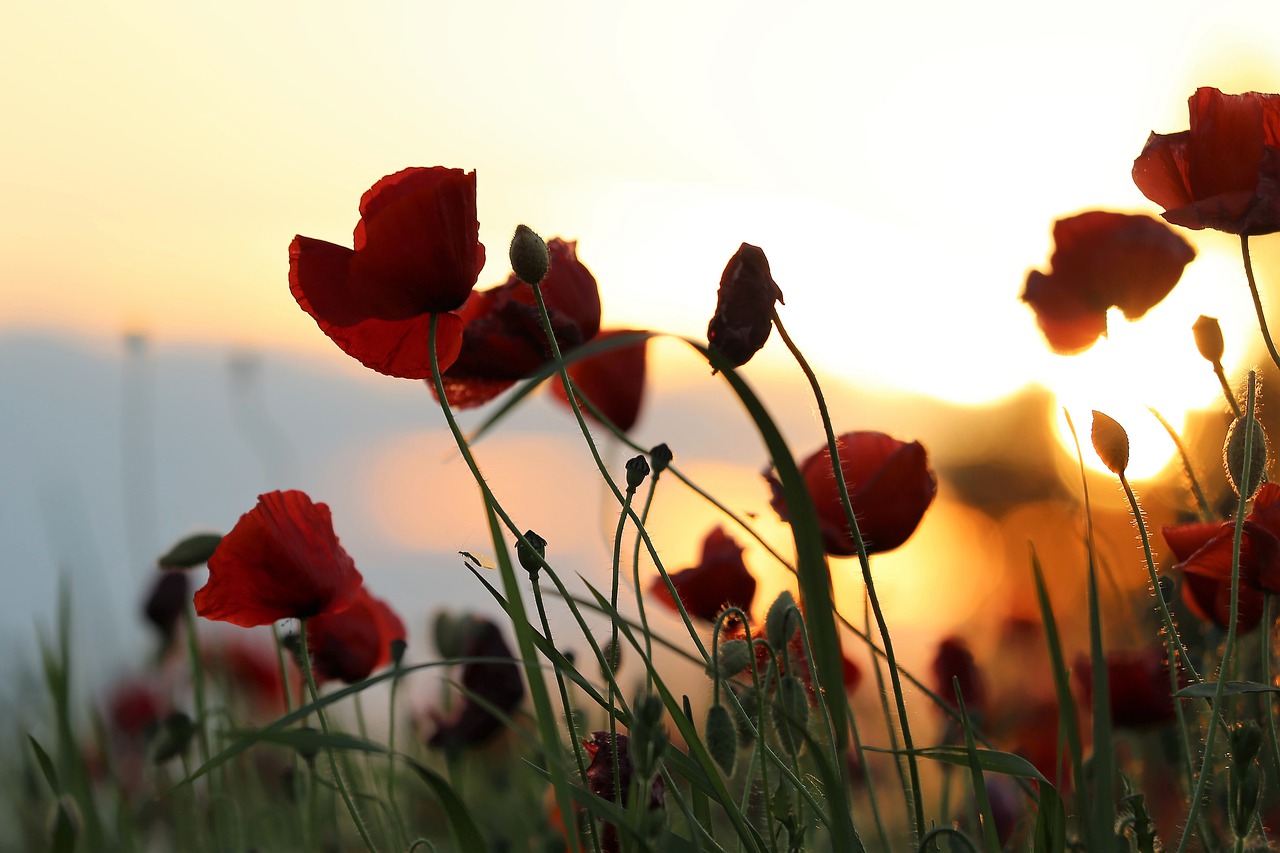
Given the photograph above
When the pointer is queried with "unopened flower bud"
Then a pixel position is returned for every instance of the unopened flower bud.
(637, 470)
(781, 621)
(530, 259)
(791, 713)
(1208, 338)
(1234, 452)
(526, 553)
(1110, 442)
(721, 737)
(661, 457)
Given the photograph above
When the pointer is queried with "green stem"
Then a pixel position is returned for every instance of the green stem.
(1257, 300)
(1268, 600)
(1226, 388)
(865, 563)
(635, 569)
(1245, 474)
(329, 751)
(1205, 512)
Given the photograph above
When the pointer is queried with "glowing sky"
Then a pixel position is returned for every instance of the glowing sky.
(900, 163)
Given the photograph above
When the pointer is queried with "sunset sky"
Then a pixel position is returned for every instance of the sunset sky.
(900, 164)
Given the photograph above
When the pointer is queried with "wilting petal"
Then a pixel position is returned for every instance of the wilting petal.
(282, 560)
(613, 380)
(721, 578)
(350, 645)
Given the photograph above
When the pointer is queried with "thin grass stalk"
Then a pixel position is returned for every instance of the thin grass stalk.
(635, 569)
(865, 563)
(1205, 512)
(888, 717)
(1229, 646)
(1268, 601)
(615, 653)
(329, 751)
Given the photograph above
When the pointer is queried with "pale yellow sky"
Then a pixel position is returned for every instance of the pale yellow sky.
(901, 164)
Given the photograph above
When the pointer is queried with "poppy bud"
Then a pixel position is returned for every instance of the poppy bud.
(525, 553)
(721, 738)
(733, 657)
(744, 306)
(1233, 456)
(791, 713)
(167, 601)
(782, 621)
(1208, 338)
(530, 258)
(660, 457)
(1111, 443)
(637, 470)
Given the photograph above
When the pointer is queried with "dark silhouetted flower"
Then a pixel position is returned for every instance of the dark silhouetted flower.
(496, 682)
(601, 748)
(612, 381)
(347, 646)
(166, 602)
(1138, 682)
(720, 579)
(1222, 173)
(952, 662)
(503, 340)
(417, 253)
(282, 560)
(1101, 259)
(744, 306)
(890, 486)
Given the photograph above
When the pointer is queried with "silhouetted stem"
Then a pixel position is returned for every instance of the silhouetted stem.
(865, 563)
(1229, 646)
(1257, 300)
(329, 751)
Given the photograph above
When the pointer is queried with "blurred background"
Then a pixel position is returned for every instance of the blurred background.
(900, 165)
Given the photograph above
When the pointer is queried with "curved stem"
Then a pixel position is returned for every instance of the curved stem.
(1257, 300)
(329, 751)
(1229, 646)
(865, 563)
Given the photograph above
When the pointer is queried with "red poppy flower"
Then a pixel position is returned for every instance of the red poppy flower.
(252, 670)
(601, 748)
(890, 487)
(954, 661)
(503, 340)
(347, 646)
(720, 579)
(613, 380)
(136, 707)
(797, 661)
(495, 681)
(1203, 551)
(282, 560)
(1223, 173)
(1138, 682)
(744, 306)
(417, 253)
(1101, 259)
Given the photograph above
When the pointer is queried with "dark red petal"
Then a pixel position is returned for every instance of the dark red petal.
(612, 381)
(394, 347)
(417, 247)
(496, 682)
(1161, 170)
(319, 279)
(1069, 324)
(1266, 508)
(1226, 143)
(1185, 539)
(744, 306)
(954, 662)
(1210, 599)
(281, 560)
(350, 645)
(721, 578)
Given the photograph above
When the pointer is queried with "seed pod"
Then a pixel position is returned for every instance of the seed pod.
(637, 470)
(1233, 456)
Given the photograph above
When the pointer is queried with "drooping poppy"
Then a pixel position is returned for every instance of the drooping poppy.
(348, 646)
(890, 486)
(721, 578)
(744, 306)
(282, 560)
(1102, 259)
(612, 381)
(954, 662)
(1138, 683)
(496, 682)
(503, 340)
(417, 253)
(1222, 173)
